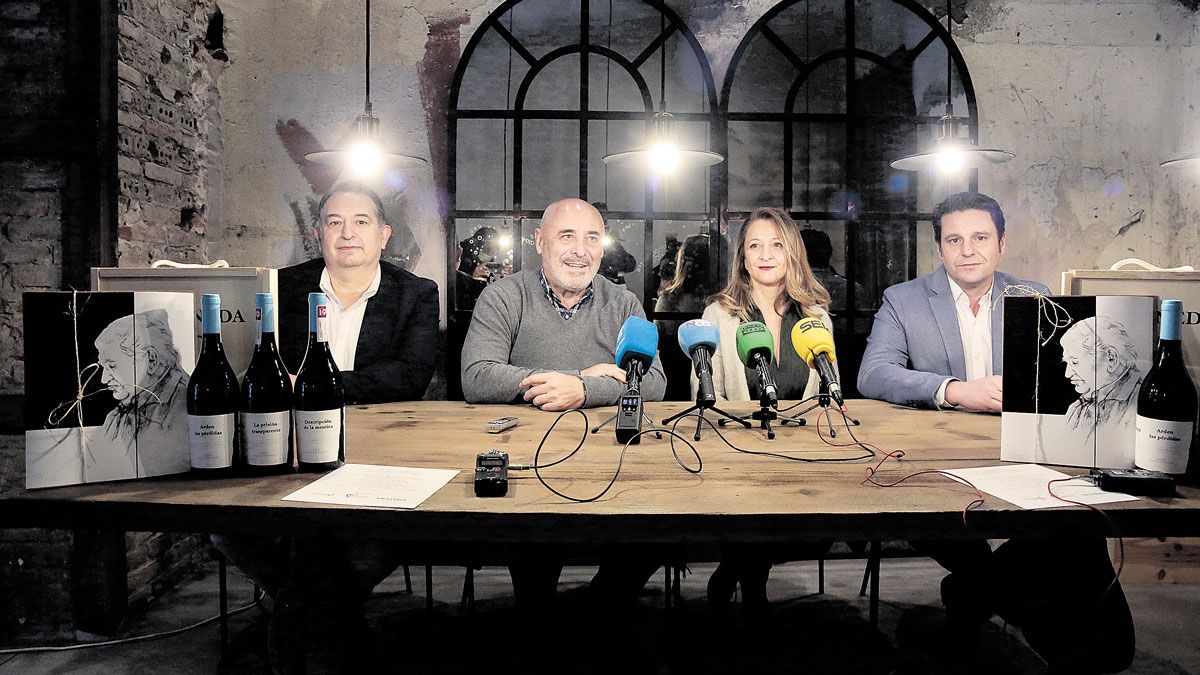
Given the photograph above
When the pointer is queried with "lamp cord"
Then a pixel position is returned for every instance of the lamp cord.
(949, 44)
(367, 60)
(662, 62)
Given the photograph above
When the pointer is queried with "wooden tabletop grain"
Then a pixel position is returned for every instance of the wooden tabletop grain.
(735, 497)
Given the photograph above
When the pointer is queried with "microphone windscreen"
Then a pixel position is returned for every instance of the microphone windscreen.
(753, 336)
(810, 337)
(638, 340)
(698, 333)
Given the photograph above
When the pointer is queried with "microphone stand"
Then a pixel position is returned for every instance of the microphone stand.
(699, 408)
(822, 401)
(768, 411)
(633, 374)
(645, 418)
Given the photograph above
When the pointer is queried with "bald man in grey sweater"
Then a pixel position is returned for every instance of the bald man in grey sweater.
(548, 336)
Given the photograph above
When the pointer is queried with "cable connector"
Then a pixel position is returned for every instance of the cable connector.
(520, 467)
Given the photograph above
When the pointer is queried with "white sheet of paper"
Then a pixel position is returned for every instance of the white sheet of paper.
(392, 487)
(1024, 485)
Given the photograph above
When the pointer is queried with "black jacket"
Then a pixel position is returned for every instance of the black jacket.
(398, 343)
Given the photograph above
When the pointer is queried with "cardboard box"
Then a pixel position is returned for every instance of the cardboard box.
(1154, 560)
(106, 385)
(1168, 285)
(236, 286)
(1073, 367)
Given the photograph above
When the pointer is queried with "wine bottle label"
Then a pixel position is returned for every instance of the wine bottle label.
(265, 436)
(258, 317)
(318, 435)
(1161, 445)
(210, 440)
(322, 324)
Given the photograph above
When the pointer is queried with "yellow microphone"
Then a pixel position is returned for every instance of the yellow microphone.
(814, 343)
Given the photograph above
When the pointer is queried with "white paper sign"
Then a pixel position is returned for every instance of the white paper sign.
(391, 487)
(1024, 485)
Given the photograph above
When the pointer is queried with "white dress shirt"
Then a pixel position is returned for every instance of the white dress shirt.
(345, 323)
(975, 330)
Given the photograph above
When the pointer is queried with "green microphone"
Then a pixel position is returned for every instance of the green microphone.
(755, 348)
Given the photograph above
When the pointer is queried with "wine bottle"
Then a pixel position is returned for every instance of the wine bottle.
(266, 404)
(1166, 406)
(212, 400)
(320, 410)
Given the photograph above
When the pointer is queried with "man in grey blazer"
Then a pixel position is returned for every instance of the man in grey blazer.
(936, 340)
(936, 343)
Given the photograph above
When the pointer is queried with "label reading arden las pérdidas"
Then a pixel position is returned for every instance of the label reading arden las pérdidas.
(1160, 445)
(210, 440)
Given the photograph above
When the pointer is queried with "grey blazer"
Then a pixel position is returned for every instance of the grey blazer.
(915, 343)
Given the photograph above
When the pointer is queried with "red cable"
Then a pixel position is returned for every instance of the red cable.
(1108, 518)
(897, 454)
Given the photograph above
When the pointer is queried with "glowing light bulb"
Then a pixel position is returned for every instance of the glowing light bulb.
(505, 242)
(664, 157)
(606, 241)
(365, 159)
(950, 160)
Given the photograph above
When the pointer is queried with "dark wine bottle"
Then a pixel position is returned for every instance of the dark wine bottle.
(320, 410)
(266, 404)
(1166, 407)
(212, 400)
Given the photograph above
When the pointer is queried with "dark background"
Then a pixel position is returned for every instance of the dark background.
(50, 364)
(1021, 349)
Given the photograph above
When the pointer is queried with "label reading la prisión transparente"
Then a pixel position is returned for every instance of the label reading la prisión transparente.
(1162, 445)
(265, 436)
(210, 440)
(318, 435)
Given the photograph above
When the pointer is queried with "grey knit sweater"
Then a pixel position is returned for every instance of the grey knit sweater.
(516, 332)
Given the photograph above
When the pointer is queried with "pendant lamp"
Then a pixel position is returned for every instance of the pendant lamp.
(363, 154)
(661, 153)
(953, 150)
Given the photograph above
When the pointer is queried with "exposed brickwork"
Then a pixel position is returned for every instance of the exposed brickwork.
(169, 60)
(35, 597)
(167, 136)
(157, 561)
(34, 576)
(33, 85)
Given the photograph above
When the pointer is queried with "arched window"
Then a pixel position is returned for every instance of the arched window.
(820, 96)
(544, 90)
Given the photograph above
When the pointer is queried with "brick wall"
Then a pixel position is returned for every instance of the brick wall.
(34, 575)
(156, 561)
(170, 55)
(169, 58)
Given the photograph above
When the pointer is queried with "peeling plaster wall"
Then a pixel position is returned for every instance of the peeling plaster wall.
(1089, 95)
(295, 84)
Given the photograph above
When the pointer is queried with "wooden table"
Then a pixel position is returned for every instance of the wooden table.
(736, 497)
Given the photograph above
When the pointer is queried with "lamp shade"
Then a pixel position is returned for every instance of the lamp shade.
(952, 152)
(364, 153)
(661, 153)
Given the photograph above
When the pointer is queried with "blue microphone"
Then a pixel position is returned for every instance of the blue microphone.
(699, 339)
(637, 343)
